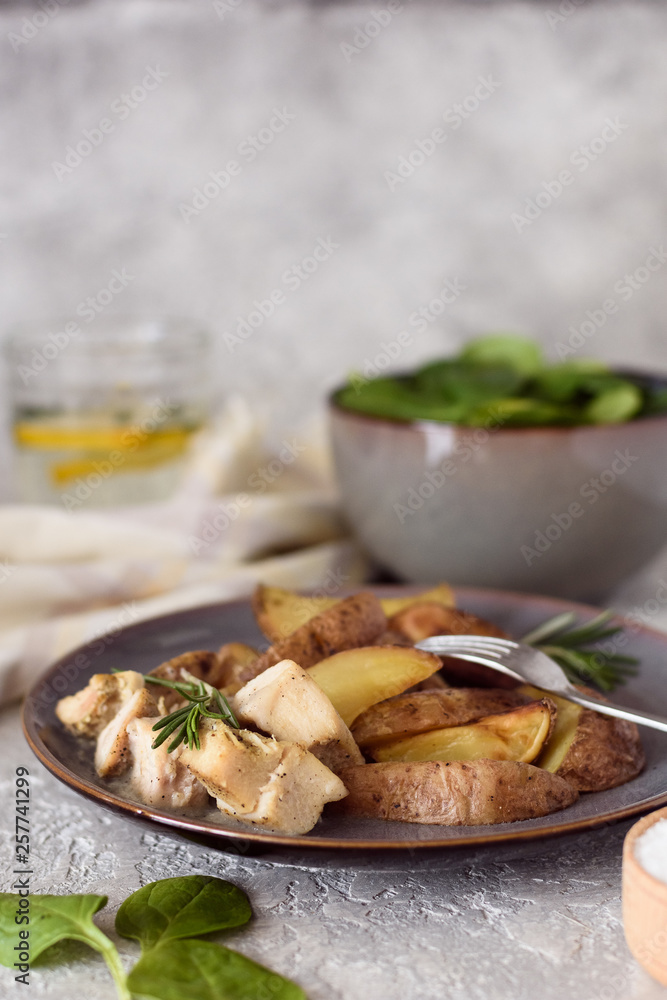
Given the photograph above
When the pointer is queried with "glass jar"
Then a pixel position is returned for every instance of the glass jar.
(105, 416)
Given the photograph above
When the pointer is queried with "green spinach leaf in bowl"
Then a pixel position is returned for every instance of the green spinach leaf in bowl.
(504, 379)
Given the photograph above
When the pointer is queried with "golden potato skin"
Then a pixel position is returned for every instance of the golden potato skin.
(357, 678)
(354, 621)
(441, 594)
(233, 658)
(425, 618)
(455, 793)
(518, 734)
(420, 711)
(281, 612)
(604, 753)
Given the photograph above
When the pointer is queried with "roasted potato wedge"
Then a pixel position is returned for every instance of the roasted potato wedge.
(432, 683)
(591, 751)
(516, 735)
(355, 679)
(281, 612)
(454, 794)
(442, 594)
(354, 621)
(233, 659)
(423, 619)
(420, 711)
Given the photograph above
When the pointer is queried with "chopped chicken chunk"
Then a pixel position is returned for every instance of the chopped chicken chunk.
(287, 703)
(262, 781)
(112, 754)
(87, 712)
(159, 778)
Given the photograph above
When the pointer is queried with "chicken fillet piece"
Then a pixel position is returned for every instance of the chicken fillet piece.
(87, 712)
(287, 703)
(159, 778)
(262, 781)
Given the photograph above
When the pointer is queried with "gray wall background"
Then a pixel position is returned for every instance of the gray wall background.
(558, 72)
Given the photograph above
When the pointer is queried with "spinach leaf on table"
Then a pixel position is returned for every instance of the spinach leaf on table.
(184, 907)
(58, 918)
(201, 970)
(166, 917)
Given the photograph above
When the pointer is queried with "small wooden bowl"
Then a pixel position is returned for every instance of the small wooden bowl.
(645, 905)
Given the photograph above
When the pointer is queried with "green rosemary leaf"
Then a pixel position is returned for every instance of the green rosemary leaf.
(178, 738)
(577, 665)
(576, 640)
(167, 730)
(186, 688)
(548, 629)
(226, 710)
(192, 726)
(592, 631)
(167, 719)
(203, 698)
(574, 649)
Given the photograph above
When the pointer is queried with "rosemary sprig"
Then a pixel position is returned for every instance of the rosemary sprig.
(570, 648)
(204, 701)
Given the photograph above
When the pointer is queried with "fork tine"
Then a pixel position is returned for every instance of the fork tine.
(471, 647)
(460, 640)
(478, 640)
(482, 642)
(453, 644)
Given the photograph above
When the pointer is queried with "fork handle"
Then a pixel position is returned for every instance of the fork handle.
(605, 708)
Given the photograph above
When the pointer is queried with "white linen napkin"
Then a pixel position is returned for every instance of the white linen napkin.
(241, 516)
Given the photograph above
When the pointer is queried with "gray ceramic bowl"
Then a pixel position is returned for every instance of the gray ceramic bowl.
(565, 511)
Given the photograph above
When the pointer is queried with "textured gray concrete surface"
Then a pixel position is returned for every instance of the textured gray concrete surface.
(500, 924)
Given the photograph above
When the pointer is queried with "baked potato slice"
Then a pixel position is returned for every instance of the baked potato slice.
(424, 619)
(355, 679)
(592, 752)
(455, 793)
(420, 711)
(354, 621)
(516, 735)
(281, 612)
(442, 595)
(233, 659)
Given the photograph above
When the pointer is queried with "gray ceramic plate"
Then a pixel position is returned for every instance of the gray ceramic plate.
(141, 647)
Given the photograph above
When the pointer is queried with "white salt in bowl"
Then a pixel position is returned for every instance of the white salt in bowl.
(645, 893)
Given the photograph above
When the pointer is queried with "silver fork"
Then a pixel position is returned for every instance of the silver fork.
(526, 664)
